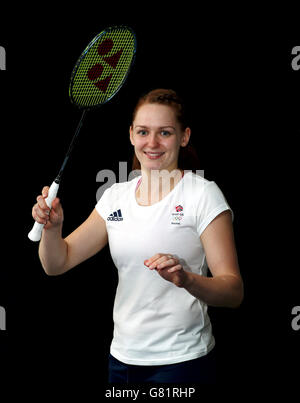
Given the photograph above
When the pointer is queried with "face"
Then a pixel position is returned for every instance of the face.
(157, 137)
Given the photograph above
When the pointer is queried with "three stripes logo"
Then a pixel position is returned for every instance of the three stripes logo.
(115, 216)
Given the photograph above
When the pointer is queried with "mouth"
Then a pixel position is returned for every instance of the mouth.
(153, 156)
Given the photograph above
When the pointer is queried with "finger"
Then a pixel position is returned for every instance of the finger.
(38, 215)
(56, 204)
(45, 191)
(175, 268)
(56, 213)
(40, 212)
(160, 258)
(149, 261)
(158, 261)
(42, 204)
(56, 210)
(167, 262)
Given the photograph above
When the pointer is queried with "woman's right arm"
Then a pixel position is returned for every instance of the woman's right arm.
(59, 255)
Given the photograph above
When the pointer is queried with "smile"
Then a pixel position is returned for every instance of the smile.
(153, 156)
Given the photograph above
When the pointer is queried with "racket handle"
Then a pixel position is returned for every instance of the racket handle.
(36, 232)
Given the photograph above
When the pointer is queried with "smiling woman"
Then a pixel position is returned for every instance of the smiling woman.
(165, 228)
(187, 155)
(157, 135)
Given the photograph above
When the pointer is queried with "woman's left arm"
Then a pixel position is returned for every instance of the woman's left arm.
(225, 287)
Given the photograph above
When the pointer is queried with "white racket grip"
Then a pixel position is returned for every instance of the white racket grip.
(36, 232)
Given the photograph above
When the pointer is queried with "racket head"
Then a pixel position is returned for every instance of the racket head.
(103, 67)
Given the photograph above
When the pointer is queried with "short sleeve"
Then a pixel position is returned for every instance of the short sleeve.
(211, 202)
(103, 206)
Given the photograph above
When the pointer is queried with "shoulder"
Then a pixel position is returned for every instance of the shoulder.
(197, 184)
(203, 191)
(115, 196)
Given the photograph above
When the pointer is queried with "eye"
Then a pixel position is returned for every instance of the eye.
(165, 133)
(142, 132)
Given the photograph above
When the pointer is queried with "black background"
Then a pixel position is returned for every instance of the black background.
(233, 68)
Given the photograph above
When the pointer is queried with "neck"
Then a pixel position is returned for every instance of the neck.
(156, 184)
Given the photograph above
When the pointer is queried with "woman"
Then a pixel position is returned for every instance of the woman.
(164, 229)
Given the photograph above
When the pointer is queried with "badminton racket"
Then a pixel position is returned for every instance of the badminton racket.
(98, 75)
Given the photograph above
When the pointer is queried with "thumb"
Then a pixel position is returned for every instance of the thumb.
(55, 204)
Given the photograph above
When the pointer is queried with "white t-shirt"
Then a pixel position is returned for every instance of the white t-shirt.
(156, 322)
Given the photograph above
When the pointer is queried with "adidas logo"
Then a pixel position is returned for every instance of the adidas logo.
(115, 216)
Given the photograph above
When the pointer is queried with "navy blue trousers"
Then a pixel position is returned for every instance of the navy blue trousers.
(200, 370)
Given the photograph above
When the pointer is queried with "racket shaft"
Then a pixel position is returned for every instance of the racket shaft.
(36, 232)
(71, 146)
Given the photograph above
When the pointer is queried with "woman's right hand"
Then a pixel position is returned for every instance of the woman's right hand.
(41, 213)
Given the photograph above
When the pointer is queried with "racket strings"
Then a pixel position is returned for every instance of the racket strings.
(103, 67)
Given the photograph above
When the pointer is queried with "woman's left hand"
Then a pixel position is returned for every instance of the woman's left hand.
(168, 267)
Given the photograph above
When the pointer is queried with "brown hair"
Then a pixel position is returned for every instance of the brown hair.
(188, 158)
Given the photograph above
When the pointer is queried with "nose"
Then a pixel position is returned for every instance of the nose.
(152, 140)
